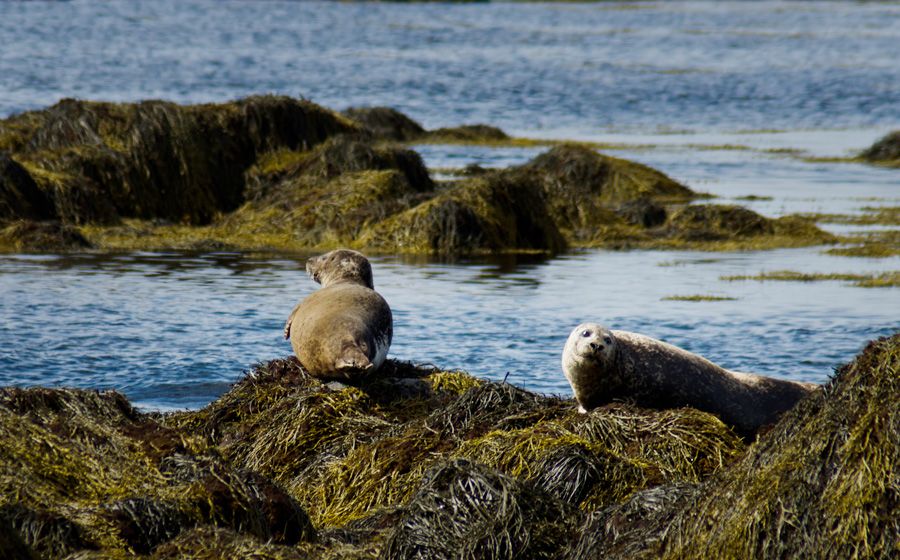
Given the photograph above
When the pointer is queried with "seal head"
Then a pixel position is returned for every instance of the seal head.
(341, 265)
(343, 330)
(589, 363)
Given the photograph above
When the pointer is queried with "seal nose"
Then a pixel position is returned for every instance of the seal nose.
(596, 347)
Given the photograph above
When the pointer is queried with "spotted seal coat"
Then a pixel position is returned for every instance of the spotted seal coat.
(343, 330)
(602, 365)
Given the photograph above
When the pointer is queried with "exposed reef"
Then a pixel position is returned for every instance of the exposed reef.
(282, 174)
(428, 463)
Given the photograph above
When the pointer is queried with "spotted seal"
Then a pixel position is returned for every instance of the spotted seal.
(343, 330)
(602, 365)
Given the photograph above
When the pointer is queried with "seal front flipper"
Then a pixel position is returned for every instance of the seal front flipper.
(290, 319)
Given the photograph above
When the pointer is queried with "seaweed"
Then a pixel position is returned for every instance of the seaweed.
(100, 162)
(386, 123)
(84, 471)
(421, 462)
(886, 151)
(465, 510)
(467, 134)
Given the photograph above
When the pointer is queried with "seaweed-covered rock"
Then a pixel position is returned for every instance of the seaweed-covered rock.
(484, 214)
(386, 123)
(20, 197)
(822, 484)
(713, 222)
(886, 150)
(624, 530)
(11, 543)
(468, 133)
(84, 471)
(465, 510)
(583, 187)
(42, 236)
(643, 212)
(426, 462)
(99, 162)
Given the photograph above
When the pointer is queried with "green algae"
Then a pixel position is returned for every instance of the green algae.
(877, 215)
(883, 280)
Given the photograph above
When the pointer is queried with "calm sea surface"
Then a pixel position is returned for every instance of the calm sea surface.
(670, 80)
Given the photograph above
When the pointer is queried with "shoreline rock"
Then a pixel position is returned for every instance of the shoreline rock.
(285, 465)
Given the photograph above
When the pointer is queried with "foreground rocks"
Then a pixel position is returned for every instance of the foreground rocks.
(438, 464)
(277, 173)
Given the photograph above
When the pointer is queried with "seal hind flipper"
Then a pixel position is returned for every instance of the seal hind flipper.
(354, 358)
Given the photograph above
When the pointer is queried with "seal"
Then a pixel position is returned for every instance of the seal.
(603, 365)
(343, 330)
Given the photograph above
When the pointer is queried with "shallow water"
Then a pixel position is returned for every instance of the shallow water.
(173, 330)
(679, 78)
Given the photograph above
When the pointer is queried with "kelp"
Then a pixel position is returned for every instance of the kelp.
(465, 510)
(81, 471)
(421, 462)
(100, 162)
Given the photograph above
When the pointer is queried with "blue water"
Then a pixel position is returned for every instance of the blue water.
(667, 80)
(547, 69)
(174, 330)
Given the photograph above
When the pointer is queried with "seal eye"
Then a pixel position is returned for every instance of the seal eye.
(607, 340)
(585, 333)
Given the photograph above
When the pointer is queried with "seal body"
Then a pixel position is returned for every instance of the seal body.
(343, 330)
(602, 365)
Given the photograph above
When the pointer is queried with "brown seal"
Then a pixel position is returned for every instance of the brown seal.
(602, 365)
(343, 330)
